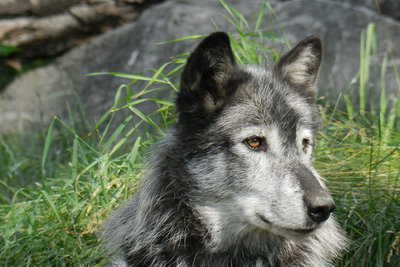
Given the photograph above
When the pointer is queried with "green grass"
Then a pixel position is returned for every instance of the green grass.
(59, 185)
(359, 155)
(363, 174)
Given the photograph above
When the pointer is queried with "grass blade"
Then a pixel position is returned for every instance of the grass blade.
(46, 148)
(52, 205)
(259, 17)
(186, 38)
(116, 133)
(146, 119)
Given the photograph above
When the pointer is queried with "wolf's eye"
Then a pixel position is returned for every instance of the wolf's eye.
(254, 142)
(306, 143)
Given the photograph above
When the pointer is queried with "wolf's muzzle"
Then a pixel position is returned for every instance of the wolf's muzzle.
(318, 201)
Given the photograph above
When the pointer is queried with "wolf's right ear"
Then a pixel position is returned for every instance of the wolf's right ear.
(206, 74)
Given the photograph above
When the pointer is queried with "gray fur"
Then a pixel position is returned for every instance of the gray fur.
(208, 198)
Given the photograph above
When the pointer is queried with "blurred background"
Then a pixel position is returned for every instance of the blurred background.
(49, 46)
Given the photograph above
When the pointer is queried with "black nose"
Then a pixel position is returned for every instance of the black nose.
(319, 205)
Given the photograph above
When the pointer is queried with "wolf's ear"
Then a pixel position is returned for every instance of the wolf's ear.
(206, 74)
(300, 66)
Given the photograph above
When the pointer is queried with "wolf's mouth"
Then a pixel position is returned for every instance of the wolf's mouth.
(263, 219)
(300, 230)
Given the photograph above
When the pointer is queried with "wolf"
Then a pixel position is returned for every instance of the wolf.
(233, 182)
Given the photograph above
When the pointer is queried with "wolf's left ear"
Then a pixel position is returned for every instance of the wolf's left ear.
(300, 66)
(206, 74)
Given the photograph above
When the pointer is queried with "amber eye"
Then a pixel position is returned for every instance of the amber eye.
(254, 142)
(306, 143)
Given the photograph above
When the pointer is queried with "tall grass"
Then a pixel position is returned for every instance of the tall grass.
(359, 155)
(80, 176)
(363, 174)
(54, 221)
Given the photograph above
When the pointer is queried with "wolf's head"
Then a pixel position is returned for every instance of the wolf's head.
(248, 135)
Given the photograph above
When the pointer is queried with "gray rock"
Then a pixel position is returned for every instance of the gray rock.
(389, 8)
(340, 28)
(51, 27)
(36, 8)
(133, 49)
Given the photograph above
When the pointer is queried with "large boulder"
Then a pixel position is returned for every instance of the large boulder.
(389, 8)
(340, 26)
(45, 28)
(42, 93)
